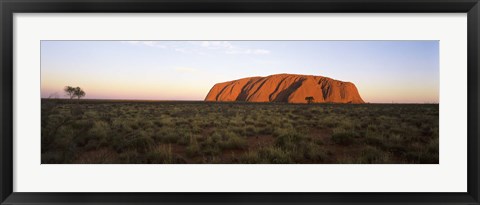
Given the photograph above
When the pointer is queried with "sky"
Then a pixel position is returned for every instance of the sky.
(383, 71)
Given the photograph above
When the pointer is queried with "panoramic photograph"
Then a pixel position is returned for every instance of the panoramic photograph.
(239, 102)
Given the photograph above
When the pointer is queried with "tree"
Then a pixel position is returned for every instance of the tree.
(309, 99)
(79, 93)
(74, 92)
(70, 91)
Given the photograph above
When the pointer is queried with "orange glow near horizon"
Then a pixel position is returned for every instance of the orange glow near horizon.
(158, 91)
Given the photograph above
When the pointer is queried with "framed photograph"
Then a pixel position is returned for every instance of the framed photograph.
(252, 102)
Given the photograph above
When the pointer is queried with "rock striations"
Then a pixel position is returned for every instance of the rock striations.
(289, 88)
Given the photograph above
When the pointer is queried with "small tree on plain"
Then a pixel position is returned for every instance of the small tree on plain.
(309, 99)
(70, 91)
(74, 92)
(79, 93)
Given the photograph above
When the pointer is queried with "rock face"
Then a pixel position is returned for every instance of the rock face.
(289, 88)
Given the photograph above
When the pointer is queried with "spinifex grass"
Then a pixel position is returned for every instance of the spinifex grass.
(100, 131)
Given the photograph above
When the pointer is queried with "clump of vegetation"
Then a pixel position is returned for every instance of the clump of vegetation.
(309, 99)
(343, 137)
(161, 155)
(102, 131)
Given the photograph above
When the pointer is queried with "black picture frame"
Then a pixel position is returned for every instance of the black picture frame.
(9, 7)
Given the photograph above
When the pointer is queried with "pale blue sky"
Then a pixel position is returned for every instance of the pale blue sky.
(383, 71)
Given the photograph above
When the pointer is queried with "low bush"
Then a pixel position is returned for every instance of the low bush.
(161, 155)
(343, 137)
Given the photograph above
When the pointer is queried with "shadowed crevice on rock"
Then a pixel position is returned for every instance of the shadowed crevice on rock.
(275, 91)
(285, 94)
(262, 82)
(219, 93)
(244, 91)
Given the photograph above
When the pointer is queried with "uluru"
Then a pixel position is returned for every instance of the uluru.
(287, 88)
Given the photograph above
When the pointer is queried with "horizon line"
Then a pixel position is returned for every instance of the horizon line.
(153, 100)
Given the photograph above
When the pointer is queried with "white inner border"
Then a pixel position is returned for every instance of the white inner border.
(448, 176)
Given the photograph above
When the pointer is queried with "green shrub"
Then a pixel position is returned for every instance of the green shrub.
(98, 135)
(313, 152)
(266, 155)
(82, 124)
(275, 155)
(161, 155)
(211, 145)
(193, 149)
(141, 141)
(250, 157)
(166, 135)
(289, 140)
(372, 155)
(343, 137)
(231, 140)
(184, 138)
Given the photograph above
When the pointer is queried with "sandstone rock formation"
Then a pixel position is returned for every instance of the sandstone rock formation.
(289, 88)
